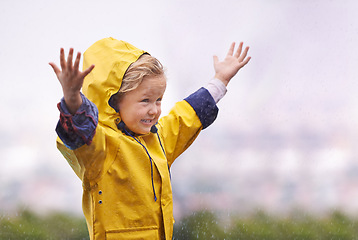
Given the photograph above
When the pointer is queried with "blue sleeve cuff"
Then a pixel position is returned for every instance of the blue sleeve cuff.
(204, 105)
(78, 129)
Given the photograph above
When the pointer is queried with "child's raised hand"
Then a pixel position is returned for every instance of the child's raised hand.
(226, 69)
(71, 79)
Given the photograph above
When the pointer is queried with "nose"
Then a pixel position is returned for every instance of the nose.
(154, 109)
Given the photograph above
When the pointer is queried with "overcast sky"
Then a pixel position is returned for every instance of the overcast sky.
(303, 73)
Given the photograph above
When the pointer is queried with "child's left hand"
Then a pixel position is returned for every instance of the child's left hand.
(227, 69)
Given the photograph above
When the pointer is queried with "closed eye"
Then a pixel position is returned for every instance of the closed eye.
(145, 100)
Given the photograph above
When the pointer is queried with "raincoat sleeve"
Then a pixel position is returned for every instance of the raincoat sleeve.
(78, 129)
(185, 121)
(81, 140)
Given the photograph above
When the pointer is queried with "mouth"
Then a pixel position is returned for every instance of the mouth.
(147, 121)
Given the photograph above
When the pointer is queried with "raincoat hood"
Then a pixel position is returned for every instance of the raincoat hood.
(111, 58)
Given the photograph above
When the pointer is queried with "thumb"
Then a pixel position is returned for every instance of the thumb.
(216, 59)
(55, 68)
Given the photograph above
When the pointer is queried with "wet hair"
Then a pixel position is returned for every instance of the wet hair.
(145, 66)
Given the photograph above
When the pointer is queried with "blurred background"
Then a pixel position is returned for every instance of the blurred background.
(286, 136)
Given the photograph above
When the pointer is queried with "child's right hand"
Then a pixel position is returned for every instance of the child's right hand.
(71, 79)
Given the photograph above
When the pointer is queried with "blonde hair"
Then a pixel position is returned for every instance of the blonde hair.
(145, 66)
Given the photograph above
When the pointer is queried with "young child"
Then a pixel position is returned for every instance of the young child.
(112, 136)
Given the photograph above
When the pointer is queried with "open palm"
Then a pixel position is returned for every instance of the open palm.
(71, 78)
(227, 69)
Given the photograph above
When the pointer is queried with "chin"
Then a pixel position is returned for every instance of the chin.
(142, 132)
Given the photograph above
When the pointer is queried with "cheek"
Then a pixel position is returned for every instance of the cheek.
(127, 113)
(140, 111)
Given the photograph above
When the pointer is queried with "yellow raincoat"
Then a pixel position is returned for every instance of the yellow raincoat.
(118, 193)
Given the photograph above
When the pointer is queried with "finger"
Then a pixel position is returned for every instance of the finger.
(238, 52)
(55, 68)
(231, 49)
(87, 71)
(62, 59)
(245, 62)
(77, 62)
(69, 58)
(244, 54)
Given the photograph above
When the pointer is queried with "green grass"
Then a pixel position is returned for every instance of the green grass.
(205, 225)
(200, 225)
(28, 225)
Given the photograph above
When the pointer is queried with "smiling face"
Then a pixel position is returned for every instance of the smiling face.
(140, 108)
